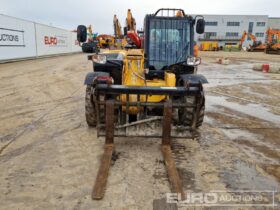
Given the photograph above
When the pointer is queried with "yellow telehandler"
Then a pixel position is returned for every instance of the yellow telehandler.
(149, 92)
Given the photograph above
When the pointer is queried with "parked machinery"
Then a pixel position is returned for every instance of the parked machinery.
(105, 40)
(92, 45)
(131, 32)
(130, 21)
(120, 41)
(273, 41)
(231, 47)
(243, 37)
(117, 27)
(153, 92)
(209, 46)
(257, 46)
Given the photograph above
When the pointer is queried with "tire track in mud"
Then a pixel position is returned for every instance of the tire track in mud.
(33, 123)
(76, 153)
(39, 142)
(75, 170)
(201, 160)
(182, 156)
(46, 172)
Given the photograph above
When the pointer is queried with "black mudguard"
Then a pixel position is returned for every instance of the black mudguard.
(192, 79)
(92, 75)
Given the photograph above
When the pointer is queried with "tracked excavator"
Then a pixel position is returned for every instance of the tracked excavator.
(120, 41)
(257, 46)
(149, 92)
(273, 41)
(243, 37)
(131, 33)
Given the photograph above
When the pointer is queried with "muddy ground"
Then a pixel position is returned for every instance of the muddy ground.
(49, 157)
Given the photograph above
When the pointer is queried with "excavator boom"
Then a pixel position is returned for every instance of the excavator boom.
(243, 38)
(252, 37)
(130, 21)
(117, 27)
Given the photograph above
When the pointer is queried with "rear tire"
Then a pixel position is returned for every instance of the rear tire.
(90, 109)
(86, 48)
(89, 48)
(187, 116)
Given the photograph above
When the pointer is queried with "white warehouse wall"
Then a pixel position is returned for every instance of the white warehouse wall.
(21, 39)
(221, 29)
(274, 23)
(17, 38)
(52, 40)
(75, 47)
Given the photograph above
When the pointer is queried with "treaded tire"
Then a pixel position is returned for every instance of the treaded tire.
(186, 115)
(87, 48)
(90, 48)
(90, 110)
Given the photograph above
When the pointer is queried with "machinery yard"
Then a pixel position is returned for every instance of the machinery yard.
(155, 105)
(49, 157)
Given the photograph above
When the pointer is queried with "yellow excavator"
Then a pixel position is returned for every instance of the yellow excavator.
(120, 41)
(132, 36)
(130, 21)
(149, 92)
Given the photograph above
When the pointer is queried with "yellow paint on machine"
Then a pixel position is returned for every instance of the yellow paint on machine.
(133, 75)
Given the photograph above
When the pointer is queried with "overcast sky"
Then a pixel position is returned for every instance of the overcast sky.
(70, 13)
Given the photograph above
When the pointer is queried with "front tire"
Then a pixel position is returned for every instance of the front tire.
(188, 116)
(90, 109)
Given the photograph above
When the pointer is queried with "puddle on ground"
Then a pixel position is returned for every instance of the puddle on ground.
(248, 176)
(235, 134)
(265, 93)
(254, 110)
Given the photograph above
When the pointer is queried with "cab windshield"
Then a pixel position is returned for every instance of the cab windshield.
(168, 42)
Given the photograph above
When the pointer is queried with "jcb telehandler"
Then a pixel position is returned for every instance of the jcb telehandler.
(153, 91)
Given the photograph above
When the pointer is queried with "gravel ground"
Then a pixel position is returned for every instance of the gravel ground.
(49, 157)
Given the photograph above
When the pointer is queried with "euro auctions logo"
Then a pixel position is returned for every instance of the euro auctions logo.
(49, 40)
(55, 41)
(11, 37)
(225, 198)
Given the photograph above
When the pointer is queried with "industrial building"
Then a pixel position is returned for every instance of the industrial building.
(228, 29)
(274, 23)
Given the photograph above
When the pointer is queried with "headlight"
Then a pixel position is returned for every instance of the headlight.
(99, 59)
(193, 61)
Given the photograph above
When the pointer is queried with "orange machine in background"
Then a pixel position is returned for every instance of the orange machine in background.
(242, 39)
(257, 46)
(273, 41)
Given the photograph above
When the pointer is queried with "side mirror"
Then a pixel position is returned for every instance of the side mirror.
(200, 26)
(82, 33)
